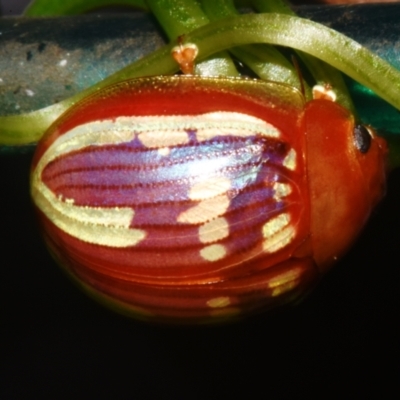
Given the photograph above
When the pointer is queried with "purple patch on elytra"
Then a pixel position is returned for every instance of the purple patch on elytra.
(132, 175)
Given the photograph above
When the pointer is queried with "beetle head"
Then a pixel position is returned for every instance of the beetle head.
(346, 173)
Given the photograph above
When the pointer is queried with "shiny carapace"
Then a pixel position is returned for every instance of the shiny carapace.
(194, 199)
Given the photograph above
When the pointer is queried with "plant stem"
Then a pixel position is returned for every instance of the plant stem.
(322, 72)
(179, 17)
(52, 8)
(264, 60)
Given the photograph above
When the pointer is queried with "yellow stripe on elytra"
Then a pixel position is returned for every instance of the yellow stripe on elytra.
(103, 226)
(207, 126)
(158, 139)
(106, 226)
(124, 129)
(111, 226)
(116, 216)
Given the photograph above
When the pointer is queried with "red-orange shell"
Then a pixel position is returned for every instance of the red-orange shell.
(192, 198)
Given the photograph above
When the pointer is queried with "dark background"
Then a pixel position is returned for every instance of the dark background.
(13, 7)
(57, 343)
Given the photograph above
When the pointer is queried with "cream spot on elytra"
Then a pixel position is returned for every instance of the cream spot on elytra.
(277, 233)
(279, 240)
(290, 160)
(275, 224)
(214, 186)
(214, 230)
(213, 252)
(205, 211)
(281, 190)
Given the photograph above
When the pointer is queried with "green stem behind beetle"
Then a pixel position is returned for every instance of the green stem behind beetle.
(264, 60)
(322, 72)
(275, 6)
(53, 8)
(342, 53)
(179, 17)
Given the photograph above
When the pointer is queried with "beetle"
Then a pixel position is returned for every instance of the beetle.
(192, 199)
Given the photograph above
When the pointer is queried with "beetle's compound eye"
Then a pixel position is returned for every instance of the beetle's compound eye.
(362, 138)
